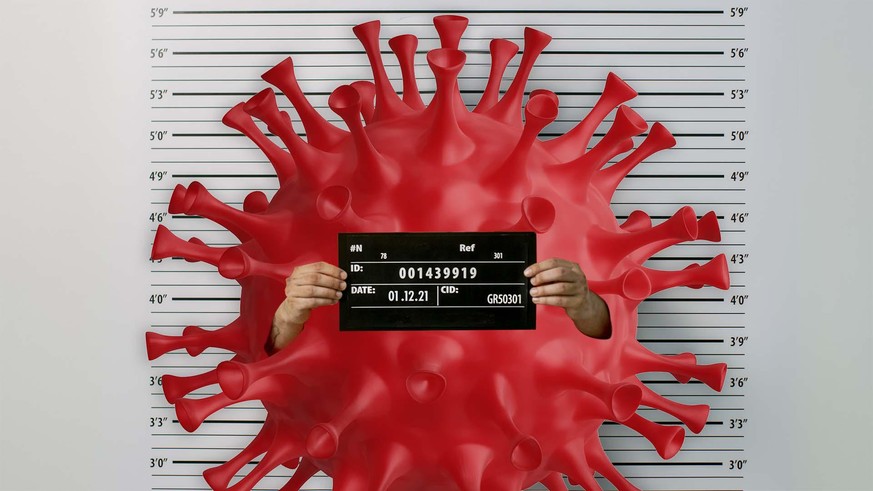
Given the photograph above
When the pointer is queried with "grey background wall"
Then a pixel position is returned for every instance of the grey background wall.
(72, 249)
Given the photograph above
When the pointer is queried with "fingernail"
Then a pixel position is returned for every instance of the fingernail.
(342, 285)
(343, 275)
(533, 291)
(527, 272)
(536, 300)
(339, 294)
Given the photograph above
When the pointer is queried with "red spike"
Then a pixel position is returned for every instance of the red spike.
(638, 359)
(627, 125)
(388, 104)
(573, 143)
(502, 51)
(540, 110)
(450, 29)
(713, 273)
(685, 359)
(231, 337)
(176, 199)
(235, 378)
(425, 386)
(304, 472)
(554, 482)
(374, 171)
(367, 93)
(335, 204)
(499, 406)
(444, 141)
(427, 357)
(368, 394)
(219, 477)
(404, 47)
(527, 454)
(255, 202)
(559, 369)
(283, 448)
(693, 416)
(197, 339)
(167, 244)
(608, 180)
(199, 201)
(666, 439)
(537, 215)
(312, 163)
(638, 220)
(633, 284)
(192, 412)
(551, 95)
(600, 463)
(613, 247)
(159, 344)
(351, 475)
(319, 132)
(281, 160)
(277, 389)
(466, 464)
(577, 174)
(388, 462)
(264, 107)
(176, 388)
(506, 109)
(707, 228)
(696, 286)
(236, 264)
(570, 459)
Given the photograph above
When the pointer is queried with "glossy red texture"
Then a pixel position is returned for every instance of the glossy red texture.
(438, 410)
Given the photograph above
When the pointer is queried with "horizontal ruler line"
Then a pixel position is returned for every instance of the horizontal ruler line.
(220, 299)
(471, 91)
(665, 327)
(272, 176)
(430, 24)
(470, 106)
(454, 11)
(674, 149)
(357, 52)
(474, 38)
(684, 300)
(203, 135)
(692, 313)
(695, 162)
(389, 64)
(664, 464)
(643, 450)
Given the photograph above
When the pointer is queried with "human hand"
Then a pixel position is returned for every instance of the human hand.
(561, 283)
(308, 287)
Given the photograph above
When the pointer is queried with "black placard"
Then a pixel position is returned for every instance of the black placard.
(437, 280)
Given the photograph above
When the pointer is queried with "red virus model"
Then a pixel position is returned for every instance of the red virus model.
(438, 410)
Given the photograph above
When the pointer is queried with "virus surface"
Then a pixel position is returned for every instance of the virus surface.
(438, 410)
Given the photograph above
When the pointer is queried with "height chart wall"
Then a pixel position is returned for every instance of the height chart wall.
(688, 61)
